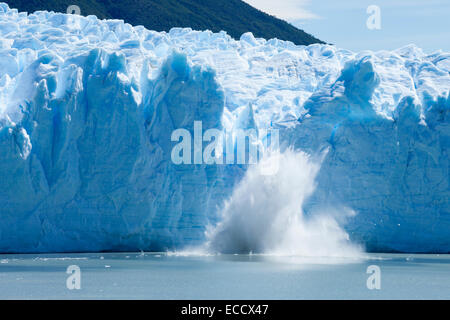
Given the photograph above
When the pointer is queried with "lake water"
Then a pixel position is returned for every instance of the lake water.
(182, 276)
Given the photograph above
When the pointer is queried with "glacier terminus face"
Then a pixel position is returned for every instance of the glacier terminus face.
(88, 108)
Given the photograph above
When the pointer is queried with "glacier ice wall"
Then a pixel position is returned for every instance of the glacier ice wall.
(87, 108)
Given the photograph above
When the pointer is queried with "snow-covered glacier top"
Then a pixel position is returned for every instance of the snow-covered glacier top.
(276, 77)
(87, 107)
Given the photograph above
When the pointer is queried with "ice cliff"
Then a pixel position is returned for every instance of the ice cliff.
(88, 106)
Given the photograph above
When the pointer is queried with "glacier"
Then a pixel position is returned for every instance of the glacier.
(87, 108)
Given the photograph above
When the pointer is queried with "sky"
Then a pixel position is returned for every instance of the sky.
(425, 23)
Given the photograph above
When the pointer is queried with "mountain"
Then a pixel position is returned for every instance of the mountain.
(233, 16)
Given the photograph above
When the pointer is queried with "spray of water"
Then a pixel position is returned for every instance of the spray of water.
(264, 214)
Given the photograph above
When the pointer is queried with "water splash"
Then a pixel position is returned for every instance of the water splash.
(265, 214)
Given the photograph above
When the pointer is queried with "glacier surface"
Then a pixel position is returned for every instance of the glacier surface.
(87, 108)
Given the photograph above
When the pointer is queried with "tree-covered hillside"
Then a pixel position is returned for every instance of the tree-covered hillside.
(233, 16)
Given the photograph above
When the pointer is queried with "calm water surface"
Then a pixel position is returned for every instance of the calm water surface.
(178, 276)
